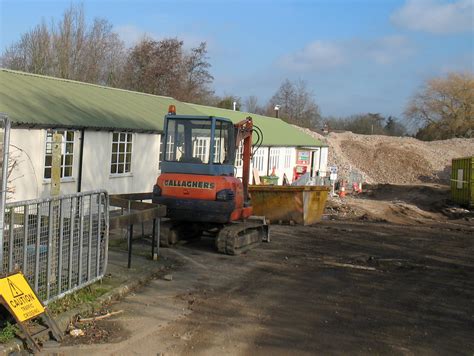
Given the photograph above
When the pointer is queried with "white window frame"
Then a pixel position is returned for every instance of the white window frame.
(258, 160)
(274, 158)
(118, 163)
(48, 151)
(288, 152)
(238, 155)
(201, 148)
(169, 146)
(217, 150)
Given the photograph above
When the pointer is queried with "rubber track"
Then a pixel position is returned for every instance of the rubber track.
(165, 230)
(237, 238)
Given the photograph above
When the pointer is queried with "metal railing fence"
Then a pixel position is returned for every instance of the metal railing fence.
(354, 176)
(59, 243)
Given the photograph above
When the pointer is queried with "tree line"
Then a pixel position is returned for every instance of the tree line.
(444, 107)
(72, 49)
(293, 102)
(367, 124)
(94, 53)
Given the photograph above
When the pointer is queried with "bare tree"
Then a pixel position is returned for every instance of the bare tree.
(285, 97)
(165, 68)
(394, 127)
(72, 49)
(227, 102)
(137, 66)
(155, 67)
(103, 54)
(69, 50)
(32, 53)
(251, 105)
(69, 43)
(196, 87)
(297, 105)
(444, 107)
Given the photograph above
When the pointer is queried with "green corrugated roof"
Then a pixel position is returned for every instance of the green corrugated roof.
(35, 100)
(276, 132)
(38, 100)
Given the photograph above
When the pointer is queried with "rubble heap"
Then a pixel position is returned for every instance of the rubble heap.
(394, 160)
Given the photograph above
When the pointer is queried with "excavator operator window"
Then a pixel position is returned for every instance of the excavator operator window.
(191, 141)
(188, 140)
(222, 148)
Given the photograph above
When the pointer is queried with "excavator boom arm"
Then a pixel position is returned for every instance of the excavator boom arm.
(244, 131)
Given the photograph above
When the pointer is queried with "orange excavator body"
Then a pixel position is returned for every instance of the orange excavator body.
(201, 188)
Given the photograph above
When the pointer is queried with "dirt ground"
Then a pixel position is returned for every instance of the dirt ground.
(400, 204)
(361, 284)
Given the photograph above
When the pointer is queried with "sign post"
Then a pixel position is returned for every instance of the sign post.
(17, 296)
(333, 178)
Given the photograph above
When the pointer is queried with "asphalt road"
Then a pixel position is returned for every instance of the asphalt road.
(335, 288)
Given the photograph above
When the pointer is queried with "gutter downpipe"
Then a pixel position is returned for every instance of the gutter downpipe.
(320, 158)
(268, 161)
(81, 156)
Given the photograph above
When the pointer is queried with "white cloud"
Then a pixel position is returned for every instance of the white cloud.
(436, 16)
(316, 55)
(323, 55)
(386, 50)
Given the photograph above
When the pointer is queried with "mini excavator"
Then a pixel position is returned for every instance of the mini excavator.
(198, 182)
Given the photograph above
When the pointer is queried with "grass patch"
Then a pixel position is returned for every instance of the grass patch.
(118, 243)
(8, 333)
(140, 247)
(87, 295)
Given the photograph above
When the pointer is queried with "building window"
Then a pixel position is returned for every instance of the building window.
(121, 153)
(258, 159)
(67, 154)
(220, 151)
(288, 157)
(238, 156)
(217, 150)
(169, 148)
(274, 158)
(201, 149)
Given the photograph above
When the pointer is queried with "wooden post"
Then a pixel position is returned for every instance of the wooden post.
(130, 241)
(56, 165)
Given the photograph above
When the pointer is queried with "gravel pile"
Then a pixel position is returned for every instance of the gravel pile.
(394, 160)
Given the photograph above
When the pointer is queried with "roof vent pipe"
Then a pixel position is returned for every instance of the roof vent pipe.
(277, 111)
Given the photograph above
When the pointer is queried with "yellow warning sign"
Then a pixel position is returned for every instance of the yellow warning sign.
(19, 297)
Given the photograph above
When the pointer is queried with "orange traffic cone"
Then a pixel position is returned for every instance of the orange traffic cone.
(342, 190)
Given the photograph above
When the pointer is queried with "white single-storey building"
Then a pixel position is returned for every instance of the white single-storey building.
(111, 137)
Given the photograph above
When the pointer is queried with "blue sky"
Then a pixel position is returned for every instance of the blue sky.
(356, 55)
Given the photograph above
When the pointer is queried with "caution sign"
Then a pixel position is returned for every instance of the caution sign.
(19, 297)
